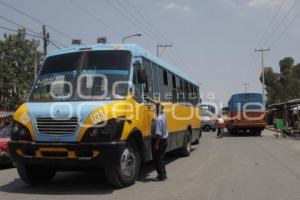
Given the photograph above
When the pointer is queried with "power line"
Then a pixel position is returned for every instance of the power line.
(32, 35)
(164, 46)
(151, 25)
(12, 22)
(281, 22)
(119, 11)
(271, 23)
(268, 28)
(12, 30)
(34, 19)
(156, 33)
(140, 21)
(19, 25)
(94, 17)
(146, 20)
(154, 38)
(151, 29)
(286, 28)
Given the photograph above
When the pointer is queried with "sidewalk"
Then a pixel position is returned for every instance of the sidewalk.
(291, 135)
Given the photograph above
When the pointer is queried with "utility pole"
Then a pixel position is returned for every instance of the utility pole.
(45, 40)
(161, 46)
(246, 85)
(262, 51)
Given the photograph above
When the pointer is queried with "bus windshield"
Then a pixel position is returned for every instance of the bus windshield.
(87, 75)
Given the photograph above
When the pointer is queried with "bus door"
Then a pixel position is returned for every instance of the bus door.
(148, 91)
(146, 109)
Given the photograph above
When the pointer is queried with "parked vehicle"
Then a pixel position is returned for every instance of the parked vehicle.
(4, 155)
(246, 113)
(208, 121)
(89, 108)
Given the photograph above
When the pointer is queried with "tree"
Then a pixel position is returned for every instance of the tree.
(17, 68)
(285, 85)
(285, 64)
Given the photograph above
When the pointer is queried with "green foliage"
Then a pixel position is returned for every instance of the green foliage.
(285, 85)
(286, 63)
(16, 69)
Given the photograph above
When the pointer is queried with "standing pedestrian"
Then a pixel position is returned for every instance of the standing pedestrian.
(221, 126)
(159, 142)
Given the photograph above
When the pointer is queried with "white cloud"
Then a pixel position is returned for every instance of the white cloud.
(175, 6)
(263, 3)
(252, 3)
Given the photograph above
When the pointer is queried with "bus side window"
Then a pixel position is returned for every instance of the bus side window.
(186, 92)
(165, 87)
(174, 89)
(156, 86)
(181, 91)
(197, 94)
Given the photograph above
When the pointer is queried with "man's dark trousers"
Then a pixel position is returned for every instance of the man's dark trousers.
(159, 158)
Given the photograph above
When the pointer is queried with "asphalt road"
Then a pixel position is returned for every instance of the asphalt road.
(232, 168)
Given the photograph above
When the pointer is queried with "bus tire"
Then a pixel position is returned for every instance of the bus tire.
(232, 132)
(185, 151)
(258, 133)
(34, 174)
(206, 128)
(128, 169)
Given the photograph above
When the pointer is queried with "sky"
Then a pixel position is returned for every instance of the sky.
(213, 41)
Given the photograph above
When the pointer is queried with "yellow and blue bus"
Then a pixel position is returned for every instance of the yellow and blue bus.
(90, 108)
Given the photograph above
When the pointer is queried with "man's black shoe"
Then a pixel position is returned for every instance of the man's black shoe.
(162, 178)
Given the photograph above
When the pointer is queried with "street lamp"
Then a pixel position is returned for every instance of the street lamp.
(130, 36)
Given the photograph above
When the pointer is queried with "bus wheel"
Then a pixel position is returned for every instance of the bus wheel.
(231, 132)
(258, 132)
(128, 169)
(186, 149)
(35, 175)
(206, 128)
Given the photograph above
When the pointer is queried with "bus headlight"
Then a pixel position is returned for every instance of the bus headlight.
(19, 132)
(108, 131)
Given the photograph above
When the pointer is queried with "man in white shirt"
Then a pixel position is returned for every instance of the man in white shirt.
(160, 142)
(220, 123)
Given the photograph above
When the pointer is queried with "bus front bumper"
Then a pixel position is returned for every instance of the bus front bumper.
(69, 155)
(249, 125)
